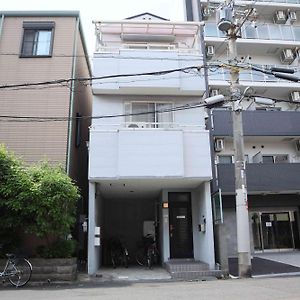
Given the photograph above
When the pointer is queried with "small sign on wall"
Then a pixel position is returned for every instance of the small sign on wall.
(268, 224)
(97, 241)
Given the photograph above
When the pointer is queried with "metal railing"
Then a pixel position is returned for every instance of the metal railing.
(148, 125)
(222, 74)
(260, 32)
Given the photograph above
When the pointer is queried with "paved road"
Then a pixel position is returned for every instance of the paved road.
(239, 289)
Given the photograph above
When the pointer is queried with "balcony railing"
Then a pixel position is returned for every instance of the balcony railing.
(245, 75)
(261, 177)
(261, 32)
(258, 123)
(147, 125)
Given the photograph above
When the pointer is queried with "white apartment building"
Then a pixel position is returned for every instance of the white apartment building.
(149, 152)
(271, 133)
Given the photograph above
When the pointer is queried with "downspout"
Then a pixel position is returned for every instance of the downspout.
(71, 103)
(1, 24)
(197, 17)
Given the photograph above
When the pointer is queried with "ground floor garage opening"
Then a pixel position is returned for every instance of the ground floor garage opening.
(176, 213)
(128, 221)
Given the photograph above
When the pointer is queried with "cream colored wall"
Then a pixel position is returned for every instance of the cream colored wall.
(34, 141)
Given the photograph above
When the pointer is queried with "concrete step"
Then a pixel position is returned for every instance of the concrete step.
(190, 269)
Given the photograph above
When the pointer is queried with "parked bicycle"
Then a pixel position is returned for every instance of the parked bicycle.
(147, 254)
(17, 270)
(119, 253)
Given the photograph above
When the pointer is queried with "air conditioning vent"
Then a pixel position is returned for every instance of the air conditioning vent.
(292, 16)
(210, 51)
(214, 92)
(206, 13)
(295, 96)
(287, 56)
(219, 145)
(280, 17)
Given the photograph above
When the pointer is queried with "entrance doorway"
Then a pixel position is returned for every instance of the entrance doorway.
(276, 230)
(181, 231)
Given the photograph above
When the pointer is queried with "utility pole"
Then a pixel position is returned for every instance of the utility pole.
(228, 25)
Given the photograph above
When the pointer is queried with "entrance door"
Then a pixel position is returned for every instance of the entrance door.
(273, 230)
(181, 231)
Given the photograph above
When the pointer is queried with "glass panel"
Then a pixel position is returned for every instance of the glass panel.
(268, 233)
(287, 33)
(216, 74)
(296, 30)
(274, 31)
(145, 113)
(211, 30)
(255, 220)
(245, 75)
(165, 117)
(28, 42)
(281, 158)
(269, 159)
(43, 42)
(262, 31)
(225, 159)
(283, 231)
(250, 32)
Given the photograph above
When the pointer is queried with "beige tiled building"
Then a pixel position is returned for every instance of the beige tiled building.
(39, 47)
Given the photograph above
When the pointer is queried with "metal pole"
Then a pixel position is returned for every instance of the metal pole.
(242, 218)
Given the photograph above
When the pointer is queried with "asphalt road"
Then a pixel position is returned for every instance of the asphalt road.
(230, 289)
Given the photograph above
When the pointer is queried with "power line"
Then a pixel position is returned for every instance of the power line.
(84, 79)
(12, 118)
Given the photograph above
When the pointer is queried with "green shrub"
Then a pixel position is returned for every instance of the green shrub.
(58, 249)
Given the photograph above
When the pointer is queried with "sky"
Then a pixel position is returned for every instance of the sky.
(102, 10)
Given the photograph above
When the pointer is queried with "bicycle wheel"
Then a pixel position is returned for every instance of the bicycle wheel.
(140, 257)
(19, 270)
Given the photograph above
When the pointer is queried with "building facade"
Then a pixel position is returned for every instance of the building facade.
(149, 166)
(271, 133)
(44, 47)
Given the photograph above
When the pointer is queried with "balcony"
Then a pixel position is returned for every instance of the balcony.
(133, 61)
(258, 123)
(222, 74)
(135, 46)
(261, 178)
(261, 32)
(149, 153)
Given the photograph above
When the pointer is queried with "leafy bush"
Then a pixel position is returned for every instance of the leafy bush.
(59, 249)
(40, 199)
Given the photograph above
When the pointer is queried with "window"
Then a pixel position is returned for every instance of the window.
(149, 114)
(37, 39)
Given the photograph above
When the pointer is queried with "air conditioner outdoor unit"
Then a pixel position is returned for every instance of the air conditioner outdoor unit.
(210, 51)
(287, 56)
(295, 96)
(297, 144)
(280, 17)
(292, 16)
(219, 145)
(214, 92)
(206, 13)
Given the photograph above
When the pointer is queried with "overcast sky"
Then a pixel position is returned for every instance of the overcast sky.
(102, 10)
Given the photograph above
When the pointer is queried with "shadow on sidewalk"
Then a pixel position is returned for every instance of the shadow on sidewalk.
(262, 266)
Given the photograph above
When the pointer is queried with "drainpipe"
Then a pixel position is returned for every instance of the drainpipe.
(71, 103)
(1, 24)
